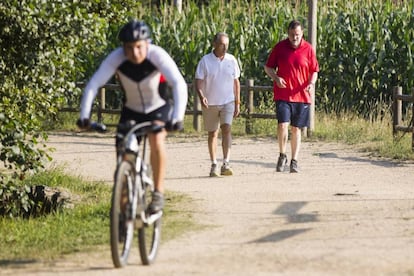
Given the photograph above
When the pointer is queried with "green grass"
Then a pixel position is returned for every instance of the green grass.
(66, 231)
(82, 228)
(373, 135)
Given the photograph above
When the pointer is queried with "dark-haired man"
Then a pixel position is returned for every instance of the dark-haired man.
(293, 67)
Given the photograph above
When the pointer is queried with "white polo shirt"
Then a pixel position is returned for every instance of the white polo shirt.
(218, 76)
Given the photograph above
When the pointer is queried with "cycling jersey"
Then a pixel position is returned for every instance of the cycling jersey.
(140, 82)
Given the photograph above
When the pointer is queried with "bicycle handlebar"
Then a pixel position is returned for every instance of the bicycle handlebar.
(141, 128)
(130, 126)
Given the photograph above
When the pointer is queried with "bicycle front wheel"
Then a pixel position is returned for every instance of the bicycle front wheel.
(149, 236)
(122, 223)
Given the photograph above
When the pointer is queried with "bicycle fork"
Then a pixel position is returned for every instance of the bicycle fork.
(142, 181)
(132, 199)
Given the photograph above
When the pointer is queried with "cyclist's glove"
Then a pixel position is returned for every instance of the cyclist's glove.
(83, 123)
(174, 126)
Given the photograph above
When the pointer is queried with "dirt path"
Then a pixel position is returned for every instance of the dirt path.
(344, 213)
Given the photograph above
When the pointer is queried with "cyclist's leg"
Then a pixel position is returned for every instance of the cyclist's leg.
(158, 158)
(126, 116)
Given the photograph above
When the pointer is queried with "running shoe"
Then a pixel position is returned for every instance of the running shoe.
(226, 170)
(294, 166)
(281, 162)
(213, 170)
(157, 203)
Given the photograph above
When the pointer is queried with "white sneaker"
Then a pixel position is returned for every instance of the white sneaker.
(213, 170)
(226, 170)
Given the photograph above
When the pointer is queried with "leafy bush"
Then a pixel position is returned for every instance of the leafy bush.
(37, 52)
(14, 199)
(43, 48)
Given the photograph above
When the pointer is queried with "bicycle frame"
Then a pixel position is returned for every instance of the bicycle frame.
(131, 164)
(130, 145)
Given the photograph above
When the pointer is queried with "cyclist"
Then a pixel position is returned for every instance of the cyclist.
(144, 71)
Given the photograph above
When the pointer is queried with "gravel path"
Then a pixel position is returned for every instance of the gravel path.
(344, 213)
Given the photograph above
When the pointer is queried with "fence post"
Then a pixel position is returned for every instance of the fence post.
(101, 103)
(412, 119)
(249, 105)
(396, 109)
(196, 110)
(312, 35)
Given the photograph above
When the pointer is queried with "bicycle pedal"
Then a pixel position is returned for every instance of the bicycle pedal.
(148, 180)
(153, 217)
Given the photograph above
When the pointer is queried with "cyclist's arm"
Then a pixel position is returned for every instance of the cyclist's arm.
(106, 70)
(163, 61)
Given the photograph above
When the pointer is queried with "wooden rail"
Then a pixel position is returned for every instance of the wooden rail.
(398, 98)
(248, 89)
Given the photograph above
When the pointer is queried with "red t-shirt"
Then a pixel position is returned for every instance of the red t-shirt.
(295, 66)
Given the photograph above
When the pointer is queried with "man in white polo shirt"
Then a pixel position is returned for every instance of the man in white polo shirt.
(218, 87)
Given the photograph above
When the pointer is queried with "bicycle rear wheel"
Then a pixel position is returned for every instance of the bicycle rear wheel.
(122, 223)
(149, 236)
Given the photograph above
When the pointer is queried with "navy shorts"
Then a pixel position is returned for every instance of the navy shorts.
(295, 113)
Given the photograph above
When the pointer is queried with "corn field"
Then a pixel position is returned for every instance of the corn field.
(364, 47)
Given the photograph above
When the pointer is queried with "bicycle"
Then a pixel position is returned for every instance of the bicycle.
(131, 195)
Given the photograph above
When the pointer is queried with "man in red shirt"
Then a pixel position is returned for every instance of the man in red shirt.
(293, 67)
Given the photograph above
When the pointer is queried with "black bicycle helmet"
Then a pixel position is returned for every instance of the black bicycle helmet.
(134, 30)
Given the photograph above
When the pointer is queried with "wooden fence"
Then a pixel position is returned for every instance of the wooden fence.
(247, 92)
(398, 98)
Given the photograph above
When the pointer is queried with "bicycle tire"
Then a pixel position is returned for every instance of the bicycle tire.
(121, 228)
(149, 236)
